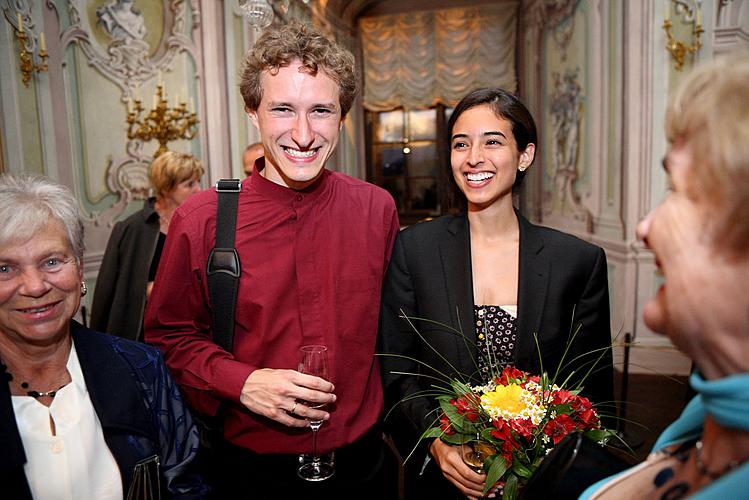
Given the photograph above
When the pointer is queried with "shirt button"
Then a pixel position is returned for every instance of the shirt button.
(57, 447)
(299, 197)
(292, 217)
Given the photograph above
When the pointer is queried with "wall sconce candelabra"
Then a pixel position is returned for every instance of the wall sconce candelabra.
(677, 48)
(26, 58)
(162, 123)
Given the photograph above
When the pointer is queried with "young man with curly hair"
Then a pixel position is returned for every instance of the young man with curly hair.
(314, 246)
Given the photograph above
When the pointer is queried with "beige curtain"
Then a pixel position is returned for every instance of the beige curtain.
(420, 59)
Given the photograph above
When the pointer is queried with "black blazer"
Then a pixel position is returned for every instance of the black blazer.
(120, 292)
(430, 277)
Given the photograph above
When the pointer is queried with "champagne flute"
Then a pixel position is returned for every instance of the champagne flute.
(315, 362)
(475, 452)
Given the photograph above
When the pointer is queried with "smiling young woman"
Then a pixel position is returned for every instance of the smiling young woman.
(492, 275)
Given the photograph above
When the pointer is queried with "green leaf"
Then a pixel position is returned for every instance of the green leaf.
(460, 388)
(450, 411)
(565, 409)
(497, 467)
(454, 439)
(511, 488)
(460, 423)
(433, 432)
(599, 435)
(522, 470)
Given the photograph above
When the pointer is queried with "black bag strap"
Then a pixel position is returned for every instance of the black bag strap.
(223, 269)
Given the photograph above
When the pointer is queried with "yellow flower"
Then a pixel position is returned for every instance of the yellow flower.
(508, 398)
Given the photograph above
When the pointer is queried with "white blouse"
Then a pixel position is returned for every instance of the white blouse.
(75, 463)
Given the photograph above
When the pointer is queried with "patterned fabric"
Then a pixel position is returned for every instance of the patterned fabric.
(496, 336)
(150, 417)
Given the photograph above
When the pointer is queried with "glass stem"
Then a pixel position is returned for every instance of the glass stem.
(315, 456)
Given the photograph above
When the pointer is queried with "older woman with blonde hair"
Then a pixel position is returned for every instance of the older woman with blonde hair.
(700, 237)
(132, 256)
(82, 414)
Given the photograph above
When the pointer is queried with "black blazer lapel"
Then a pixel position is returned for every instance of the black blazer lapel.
(13, 457)
(533, 282)
(110, 385)
(455, 251)
(115, 397)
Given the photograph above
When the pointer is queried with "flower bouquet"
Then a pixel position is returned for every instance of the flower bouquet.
(507, 427)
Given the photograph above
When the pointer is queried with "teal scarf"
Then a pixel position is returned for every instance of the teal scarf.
(725, 399)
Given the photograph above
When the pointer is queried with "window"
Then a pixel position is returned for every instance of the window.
(407, 156)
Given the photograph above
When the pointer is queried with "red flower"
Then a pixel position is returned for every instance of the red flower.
(559, 427)
(466, 406)
(446, 426)
(584, 413)
(508, 373)
(562, 396)
(523, 427)
(503, 432)
(507, 449)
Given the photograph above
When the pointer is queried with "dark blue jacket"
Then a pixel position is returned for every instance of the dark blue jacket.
(141, 413)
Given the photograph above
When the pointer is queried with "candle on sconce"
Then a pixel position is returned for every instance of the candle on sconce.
(192, 106)
(42, 41)
(20, 22)
(699, 14)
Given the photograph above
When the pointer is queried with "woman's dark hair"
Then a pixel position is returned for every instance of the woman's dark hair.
(505, 105)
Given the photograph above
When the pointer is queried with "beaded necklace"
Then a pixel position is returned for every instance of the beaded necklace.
(25, 385)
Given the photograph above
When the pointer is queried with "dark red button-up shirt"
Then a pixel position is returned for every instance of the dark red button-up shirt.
(312, 262)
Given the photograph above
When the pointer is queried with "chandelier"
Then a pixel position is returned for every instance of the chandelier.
(260, 13)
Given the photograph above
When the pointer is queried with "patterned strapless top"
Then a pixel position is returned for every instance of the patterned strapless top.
(496, 335)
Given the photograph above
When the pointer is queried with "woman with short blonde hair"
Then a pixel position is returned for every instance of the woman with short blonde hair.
(129, 266)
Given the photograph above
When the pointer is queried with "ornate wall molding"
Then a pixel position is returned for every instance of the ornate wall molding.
(23, 8)
(128, 61)
(125, 61)
(556, 17)
(732, 26)
(566, 106)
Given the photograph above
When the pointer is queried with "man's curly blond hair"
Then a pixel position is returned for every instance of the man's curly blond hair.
(278, 47)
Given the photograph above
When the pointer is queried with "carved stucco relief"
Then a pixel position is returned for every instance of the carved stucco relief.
(566, 107)
(556, 19)
(128, 61)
